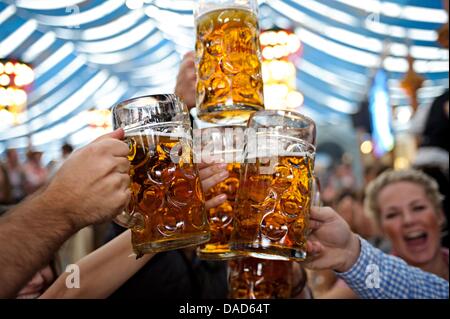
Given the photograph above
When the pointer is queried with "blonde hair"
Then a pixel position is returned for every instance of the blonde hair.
(428, 184)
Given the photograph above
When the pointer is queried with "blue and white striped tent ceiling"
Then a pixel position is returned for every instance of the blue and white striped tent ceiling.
(91, 54)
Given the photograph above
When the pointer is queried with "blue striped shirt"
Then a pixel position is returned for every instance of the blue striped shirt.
(376, 275)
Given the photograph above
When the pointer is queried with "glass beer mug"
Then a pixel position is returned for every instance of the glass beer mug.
(254, 278)
(222, 145)
(227, 60)
(166, 210)
(276, 182)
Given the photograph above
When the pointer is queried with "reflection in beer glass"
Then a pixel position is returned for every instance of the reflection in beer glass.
(276, 183)
(254, 278)
(228, 60)
(166, 210)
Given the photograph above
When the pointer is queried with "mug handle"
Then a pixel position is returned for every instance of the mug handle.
(315, 196)
(315, 192)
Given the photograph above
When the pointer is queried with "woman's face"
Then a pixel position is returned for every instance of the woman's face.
(410, 221)
(38, 284)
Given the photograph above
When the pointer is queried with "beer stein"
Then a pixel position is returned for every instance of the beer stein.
(254, 278)
(276, 182)
(166, 210)
(221, 145)
(227, 61)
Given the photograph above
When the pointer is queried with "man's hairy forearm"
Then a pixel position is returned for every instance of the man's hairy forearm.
(29, 236)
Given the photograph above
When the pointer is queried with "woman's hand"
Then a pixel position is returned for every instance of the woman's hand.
(331, 245)
(210, 176)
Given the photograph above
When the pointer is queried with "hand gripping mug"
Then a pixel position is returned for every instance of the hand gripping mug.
(166, 210)
(276, 182)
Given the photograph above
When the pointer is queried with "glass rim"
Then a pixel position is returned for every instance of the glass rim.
(223, 127)
(171, 98)
(287, 113)
(252, 6)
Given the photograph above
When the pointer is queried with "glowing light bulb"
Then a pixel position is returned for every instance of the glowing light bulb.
(293, 43)
(19, 97)
(4, 80)
(366, 147)
(6, 118)
(267, 53)
(294, 99)
(282, 37)
(9, 68)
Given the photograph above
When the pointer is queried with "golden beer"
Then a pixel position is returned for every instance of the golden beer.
(228, 65)
(222, 144)
(221, 217)
(167, 201)
(254, 278)
(273, 207)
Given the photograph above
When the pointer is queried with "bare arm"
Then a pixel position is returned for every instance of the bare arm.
(101, 272)
(29, 235)
(105, 270)
(91, 187)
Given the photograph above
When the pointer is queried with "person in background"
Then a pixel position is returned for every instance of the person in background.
(35, 173)
(433, 152)
(369, 272)
(350, 207)
(14, 177)
(5, 188)
(407, 206)
(53, 166)
(185, 85)
(430, 124)
(432, 157)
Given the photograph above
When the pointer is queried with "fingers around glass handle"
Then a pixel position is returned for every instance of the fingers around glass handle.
(315, 192)
(315, 198)
(128, 220)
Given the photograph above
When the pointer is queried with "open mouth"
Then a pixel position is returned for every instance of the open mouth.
(416, 239)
